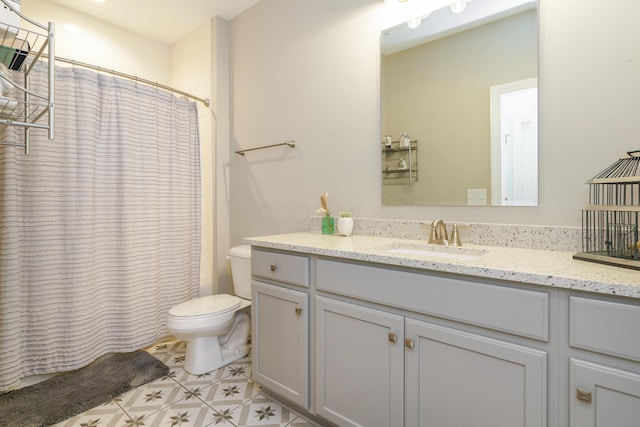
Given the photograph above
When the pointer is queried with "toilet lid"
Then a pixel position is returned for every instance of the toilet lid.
(212, 304)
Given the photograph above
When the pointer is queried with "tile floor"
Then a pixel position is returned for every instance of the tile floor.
(225, 397)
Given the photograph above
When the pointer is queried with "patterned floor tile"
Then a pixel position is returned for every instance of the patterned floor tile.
(231, 391)
(184, 413)
(171, 352)
(107, 415)
(240, 367)
(261, 411)
(226, 415)
(223, 417)
(192, 381)
(151, 397)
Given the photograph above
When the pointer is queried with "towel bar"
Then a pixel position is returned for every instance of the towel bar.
(289, 143)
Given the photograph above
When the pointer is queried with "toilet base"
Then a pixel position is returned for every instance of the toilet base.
(206, 354)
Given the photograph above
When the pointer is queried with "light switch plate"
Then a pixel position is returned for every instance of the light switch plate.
(477, 196)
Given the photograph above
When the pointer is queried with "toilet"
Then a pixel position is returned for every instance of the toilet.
(216, 327)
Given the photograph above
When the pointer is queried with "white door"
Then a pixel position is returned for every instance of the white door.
(514, 143)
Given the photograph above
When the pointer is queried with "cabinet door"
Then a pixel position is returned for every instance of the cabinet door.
(359, 365)
(280, 341)
(603, 396)
(456, 378)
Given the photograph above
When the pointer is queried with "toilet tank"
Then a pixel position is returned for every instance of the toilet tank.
(240, 259)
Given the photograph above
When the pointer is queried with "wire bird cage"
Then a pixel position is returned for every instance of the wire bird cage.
(610, 222)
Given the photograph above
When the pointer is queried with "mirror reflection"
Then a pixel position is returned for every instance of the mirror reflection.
(459, 107)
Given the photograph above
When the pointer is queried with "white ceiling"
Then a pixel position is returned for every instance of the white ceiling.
(165, 21)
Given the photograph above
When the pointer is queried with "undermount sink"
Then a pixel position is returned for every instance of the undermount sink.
(428, 250)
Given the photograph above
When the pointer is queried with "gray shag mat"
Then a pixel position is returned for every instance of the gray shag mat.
(72, 393)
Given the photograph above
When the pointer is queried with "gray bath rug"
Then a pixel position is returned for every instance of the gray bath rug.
(71, 393)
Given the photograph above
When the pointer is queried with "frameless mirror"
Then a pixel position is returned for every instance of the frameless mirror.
(463, 87)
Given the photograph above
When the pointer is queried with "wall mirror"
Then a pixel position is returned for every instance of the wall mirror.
(462, 85)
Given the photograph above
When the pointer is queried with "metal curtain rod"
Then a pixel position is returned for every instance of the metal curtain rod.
(206, 102)
(289, 143)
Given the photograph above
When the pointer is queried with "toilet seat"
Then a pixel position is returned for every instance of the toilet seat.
(212, 305)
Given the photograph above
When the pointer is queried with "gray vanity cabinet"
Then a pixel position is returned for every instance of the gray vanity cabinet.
(456, 378)
(603, 371)
(359, 343)
(280, 325)
(359, 364)
(375, 368)
(405, 371)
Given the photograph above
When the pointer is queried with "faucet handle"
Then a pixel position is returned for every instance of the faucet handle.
(433, 236)
(455, 236)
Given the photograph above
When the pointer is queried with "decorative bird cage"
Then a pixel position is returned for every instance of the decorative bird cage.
(610, 222)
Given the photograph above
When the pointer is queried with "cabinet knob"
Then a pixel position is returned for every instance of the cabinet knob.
(298, 311)
(408, 342)
(274, 267)
(584, 395)
(393, 337)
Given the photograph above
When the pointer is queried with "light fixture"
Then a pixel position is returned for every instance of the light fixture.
(458, 6)
(72, 28)
(414, 23)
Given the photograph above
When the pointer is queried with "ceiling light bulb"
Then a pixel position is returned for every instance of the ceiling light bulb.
(71, 28)
(414, 23)
(458, 6)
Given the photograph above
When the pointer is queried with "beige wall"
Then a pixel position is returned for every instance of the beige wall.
(190, 71)
(304, 71)
(439, 93)
(200, 65)
(101, 44)
(309, 71)
(220, 116)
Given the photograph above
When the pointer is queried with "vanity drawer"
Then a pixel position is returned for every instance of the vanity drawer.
(517, 311)
(287, 268)
(605, 327)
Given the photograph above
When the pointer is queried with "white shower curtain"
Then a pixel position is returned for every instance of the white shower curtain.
(100, 228)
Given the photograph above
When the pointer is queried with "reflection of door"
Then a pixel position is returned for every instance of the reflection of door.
(514, 143)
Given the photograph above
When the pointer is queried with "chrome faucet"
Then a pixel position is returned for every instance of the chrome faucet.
(438, 234)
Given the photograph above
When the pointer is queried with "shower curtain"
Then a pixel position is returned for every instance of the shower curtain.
(99, 228)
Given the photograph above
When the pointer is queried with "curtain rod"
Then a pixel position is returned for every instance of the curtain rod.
(206, 102)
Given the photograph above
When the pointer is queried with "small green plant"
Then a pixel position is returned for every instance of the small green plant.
(345, 214)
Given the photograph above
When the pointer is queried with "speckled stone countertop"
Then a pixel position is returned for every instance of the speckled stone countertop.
(532, 266)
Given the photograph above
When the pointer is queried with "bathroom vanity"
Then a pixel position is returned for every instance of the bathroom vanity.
(375, 331)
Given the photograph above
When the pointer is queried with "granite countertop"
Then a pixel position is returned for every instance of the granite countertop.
(539, 267)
